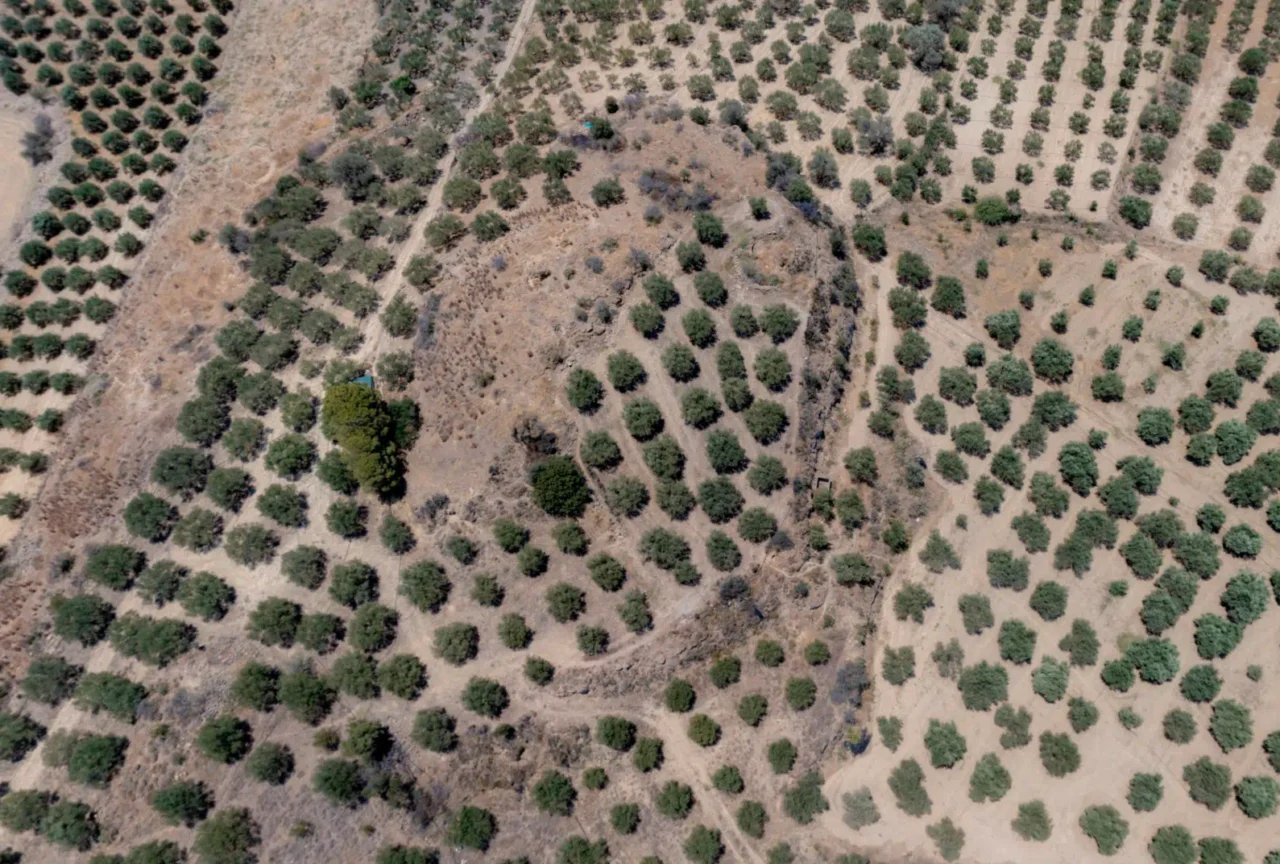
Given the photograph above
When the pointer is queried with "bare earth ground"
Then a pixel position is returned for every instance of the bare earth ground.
(1218, 219)
(268, 102)
(501, 343)
(17, 177)
(498, 349)
(25, 184)
(1110, 754)
(21, 195)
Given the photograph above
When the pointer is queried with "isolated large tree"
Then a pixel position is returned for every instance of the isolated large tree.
(356, 418)
(926, 45)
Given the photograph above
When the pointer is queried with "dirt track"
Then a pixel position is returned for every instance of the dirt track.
(372, 328)
(269, 99)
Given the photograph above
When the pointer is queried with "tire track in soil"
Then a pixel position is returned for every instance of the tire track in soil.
(373, 330)
(678, 754)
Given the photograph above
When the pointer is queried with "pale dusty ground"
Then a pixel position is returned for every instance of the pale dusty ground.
(1217, 220)
(16, 178)
(905, 99)
(268, 101)
(487, 324)
(526, 315)
(1110, 754)
(239, 154)
(18, 184)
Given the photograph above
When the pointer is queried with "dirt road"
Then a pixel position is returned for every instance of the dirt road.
(372, 328)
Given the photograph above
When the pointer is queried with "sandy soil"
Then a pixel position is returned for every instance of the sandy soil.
(1217, 220)
(21, 197)
(374, 343)
(1110, 754)
(503, 343)
(520, 326)
(268, 100)
(515, 317)
(904, 100)
(17, 179)
(27, 183)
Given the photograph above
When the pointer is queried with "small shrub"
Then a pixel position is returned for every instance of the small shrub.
(1208, 783)
(1104, 825)
(782, 756)
(1033, 822)
(907, 784)
(1058, 754)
